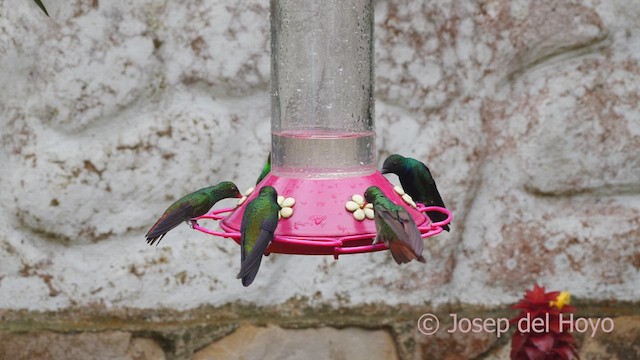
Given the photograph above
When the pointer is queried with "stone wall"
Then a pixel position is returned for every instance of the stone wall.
(526, 112)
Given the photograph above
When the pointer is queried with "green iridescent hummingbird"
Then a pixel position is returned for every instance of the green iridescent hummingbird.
(265, 170)
(395, 227)
(417, 181)
(257, 229)
(191, 206)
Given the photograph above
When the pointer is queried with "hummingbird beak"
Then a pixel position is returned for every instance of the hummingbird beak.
(385, 170)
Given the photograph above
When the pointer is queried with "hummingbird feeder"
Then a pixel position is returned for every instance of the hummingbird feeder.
(323, 151)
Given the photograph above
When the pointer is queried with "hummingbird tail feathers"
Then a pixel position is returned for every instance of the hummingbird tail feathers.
(152, 240)
(166, 223)
(403, 253)
(251, 264)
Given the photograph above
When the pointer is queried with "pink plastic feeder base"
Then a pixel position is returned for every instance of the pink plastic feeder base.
(321, 224)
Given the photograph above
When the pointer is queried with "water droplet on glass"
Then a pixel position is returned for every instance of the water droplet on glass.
(298, 90)
(340, 68)
(329, 105)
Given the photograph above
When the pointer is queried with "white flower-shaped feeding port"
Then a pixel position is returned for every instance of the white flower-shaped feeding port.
(406, 197)
(286, 207)
(359, 209)
(245, 195)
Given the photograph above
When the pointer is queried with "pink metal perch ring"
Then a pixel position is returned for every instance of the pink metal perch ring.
(349, 244)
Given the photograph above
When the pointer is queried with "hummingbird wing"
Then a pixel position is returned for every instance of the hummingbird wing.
(265, 170)
(168, 221)
(407, 243)
(428, 194)
(250, 263)
(430, 189)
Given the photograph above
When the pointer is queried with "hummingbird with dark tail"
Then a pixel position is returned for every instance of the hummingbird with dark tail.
(395, 227)
(257, 229)
(417, 181)
(191, 206)
(41, 6)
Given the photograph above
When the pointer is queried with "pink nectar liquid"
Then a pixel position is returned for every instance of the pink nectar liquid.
(322, 153)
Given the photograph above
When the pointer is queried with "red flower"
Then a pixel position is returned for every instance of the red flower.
(553, 342)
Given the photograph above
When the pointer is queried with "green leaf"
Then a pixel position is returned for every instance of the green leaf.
(41, 5)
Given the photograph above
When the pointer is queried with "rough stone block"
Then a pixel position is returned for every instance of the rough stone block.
(83, 346)
(272, 342)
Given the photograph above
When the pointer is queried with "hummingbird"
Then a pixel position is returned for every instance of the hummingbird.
(417, 181)
(191, 206)
(41, 6)
(257, 229)
(265, 170)
(395, 227)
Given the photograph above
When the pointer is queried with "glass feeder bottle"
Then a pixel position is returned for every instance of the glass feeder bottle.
(323, 137)
(322, 106)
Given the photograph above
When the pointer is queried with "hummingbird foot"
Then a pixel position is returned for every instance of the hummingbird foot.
(192, 223)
